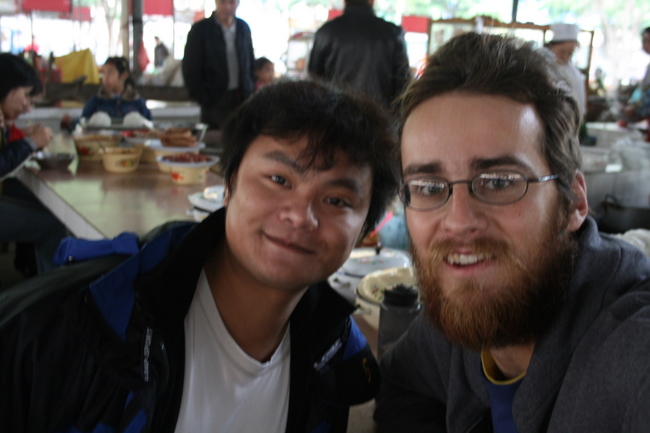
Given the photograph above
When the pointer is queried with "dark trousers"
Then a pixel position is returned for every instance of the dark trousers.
(215, 113)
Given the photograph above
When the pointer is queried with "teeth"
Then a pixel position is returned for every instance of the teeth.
(465, 259)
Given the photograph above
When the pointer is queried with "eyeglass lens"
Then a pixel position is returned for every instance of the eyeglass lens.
(495, 188)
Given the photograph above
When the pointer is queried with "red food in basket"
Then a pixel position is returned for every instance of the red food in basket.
(186, 157)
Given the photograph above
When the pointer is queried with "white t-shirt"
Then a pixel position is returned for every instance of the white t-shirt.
(225, 390)
(230, 36)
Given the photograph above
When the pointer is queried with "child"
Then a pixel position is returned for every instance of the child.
(264, 72)
(117, 96)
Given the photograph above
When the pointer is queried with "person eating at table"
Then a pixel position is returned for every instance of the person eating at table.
(228, 325)
(23, 218)
(116, 97)
(533, 320)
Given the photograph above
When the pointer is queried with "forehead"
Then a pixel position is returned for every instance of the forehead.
(455, 130)
(19, 92)
(298, 152)
(108, 68)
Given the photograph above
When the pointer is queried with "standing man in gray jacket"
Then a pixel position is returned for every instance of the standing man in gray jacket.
(362, 51)
(219, 63)
(533, 320)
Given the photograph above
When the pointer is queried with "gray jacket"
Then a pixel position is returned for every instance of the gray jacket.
(589, 373)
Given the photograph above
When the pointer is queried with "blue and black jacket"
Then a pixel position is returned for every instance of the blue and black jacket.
(82, 353)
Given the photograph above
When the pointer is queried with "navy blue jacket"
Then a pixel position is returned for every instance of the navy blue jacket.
(109, 356)
(13, 154)
(116, 106)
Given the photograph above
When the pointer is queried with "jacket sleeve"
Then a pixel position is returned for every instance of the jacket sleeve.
(251, 55)
(90, 108)
(13, 154)
(317, 56)
(401, 69)
(192, 66)
(142, 108)
(412, 390)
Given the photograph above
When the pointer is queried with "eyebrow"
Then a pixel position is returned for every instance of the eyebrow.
(284, 159)
(477, 165)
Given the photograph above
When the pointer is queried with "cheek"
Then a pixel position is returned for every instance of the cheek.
(420, 228)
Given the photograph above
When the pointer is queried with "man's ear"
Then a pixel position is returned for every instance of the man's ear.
(580, 207)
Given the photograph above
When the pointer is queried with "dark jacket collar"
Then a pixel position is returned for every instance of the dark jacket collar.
(359, 8)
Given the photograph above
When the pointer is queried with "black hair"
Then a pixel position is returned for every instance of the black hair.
(261, 62)
(506, 66)
(331, 119)
(122, 65)
(17, 72)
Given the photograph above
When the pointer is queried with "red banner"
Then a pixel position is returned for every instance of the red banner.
(333, 13)
(47, 5)
(79, 13)
(416, 24)
(158, 7)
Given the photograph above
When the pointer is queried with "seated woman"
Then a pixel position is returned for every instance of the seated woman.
(23, 219)
(116, 97)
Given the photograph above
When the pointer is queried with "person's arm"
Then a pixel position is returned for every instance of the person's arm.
(143, 109)
(401, 68)
(251, 59)
(14, 154)
(192, 66)
(317, 56)
(412, 388)
(89, 109)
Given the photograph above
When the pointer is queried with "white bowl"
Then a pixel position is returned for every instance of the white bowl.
(160, 150)
(89, 146)
(188, 173)
(121, 160)
(363, 261)
(372, 286)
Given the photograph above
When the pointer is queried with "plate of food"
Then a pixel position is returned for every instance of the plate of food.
(363, 261)
(372, 286)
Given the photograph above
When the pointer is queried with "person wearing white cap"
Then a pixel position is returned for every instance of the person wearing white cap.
(563, 45)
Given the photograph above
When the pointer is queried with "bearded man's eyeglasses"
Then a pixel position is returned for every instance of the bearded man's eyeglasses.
(494, 187)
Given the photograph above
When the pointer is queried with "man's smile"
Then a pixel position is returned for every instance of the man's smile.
(466, 259)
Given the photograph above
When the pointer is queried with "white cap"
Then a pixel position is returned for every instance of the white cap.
(564, 32)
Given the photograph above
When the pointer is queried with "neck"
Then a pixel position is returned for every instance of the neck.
(227, 22)
(513, 361)
(255, 315)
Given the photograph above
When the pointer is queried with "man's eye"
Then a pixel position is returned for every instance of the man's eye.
(499, 182)
(427, 187)
(337, 202)
(279, 179)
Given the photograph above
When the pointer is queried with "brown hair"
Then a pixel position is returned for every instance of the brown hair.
(506, 66)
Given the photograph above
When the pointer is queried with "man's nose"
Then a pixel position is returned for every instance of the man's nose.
(462, 212)
(301, 213)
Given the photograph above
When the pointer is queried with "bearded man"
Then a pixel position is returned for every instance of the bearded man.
(534, 321)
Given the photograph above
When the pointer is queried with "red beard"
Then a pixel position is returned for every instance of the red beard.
(515, 312)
